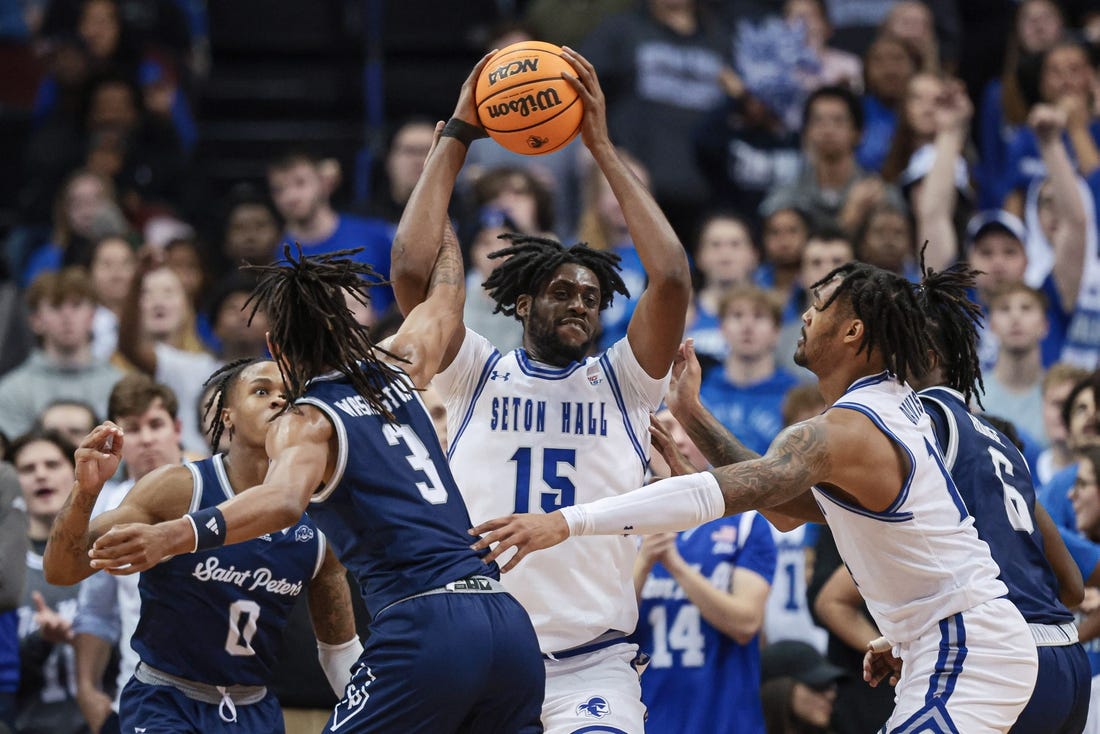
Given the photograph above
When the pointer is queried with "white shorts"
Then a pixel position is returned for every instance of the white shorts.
(596, 692)
(1092, 725)
(972, 673)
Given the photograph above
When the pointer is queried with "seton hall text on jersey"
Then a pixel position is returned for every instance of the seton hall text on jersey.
(524, 414)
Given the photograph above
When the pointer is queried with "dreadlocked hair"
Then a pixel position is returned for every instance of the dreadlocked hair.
(220, 381)
(893, 323)
(312, 329)
(953, 323)
(531, 261)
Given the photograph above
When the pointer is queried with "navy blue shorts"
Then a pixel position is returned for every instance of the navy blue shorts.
(442, 663)
(1060, 702)
(166, 710)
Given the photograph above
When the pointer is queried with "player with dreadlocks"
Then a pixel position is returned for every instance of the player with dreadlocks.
(874, 475)
(233, 602)
(449, 649)
(995, 483)
(548, 425)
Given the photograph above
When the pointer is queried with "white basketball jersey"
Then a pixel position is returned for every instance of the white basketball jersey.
(527, 437)
(921, 559)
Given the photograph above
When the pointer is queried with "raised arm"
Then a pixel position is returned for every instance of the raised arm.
(1071, 223)
(420, 231)
(301, 445)
(133, 343)
(431, 334)
(935, 204)
(657, 325)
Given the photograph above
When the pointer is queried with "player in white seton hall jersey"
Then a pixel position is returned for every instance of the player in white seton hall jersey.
(211, 621)
(548, 425)
(868, 466)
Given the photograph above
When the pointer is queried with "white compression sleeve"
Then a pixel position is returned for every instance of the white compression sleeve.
(670, 505)
(337, 662)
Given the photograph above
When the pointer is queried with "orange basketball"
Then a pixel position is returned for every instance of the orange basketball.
(523, 102)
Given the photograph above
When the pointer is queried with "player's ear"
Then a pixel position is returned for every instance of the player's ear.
(523, 306)
(855, 331)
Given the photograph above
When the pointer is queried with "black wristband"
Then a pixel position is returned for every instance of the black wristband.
(462, 131)
(209, 526)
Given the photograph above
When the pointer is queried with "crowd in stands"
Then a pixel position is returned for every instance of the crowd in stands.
(782, 138)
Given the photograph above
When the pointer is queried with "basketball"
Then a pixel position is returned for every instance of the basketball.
(524, 103)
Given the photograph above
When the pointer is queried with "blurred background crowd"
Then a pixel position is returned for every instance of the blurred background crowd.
(151, 146)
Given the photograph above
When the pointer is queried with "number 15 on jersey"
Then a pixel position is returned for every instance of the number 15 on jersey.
(555, 490)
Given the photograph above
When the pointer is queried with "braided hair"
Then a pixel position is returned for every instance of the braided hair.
(893, 323)
(531, 262)
(219, 383)
(953, 322)
(311, 328)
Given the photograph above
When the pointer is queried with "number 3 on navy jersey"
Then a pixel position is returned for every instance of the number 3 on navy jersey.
(561, 493)
(419, 459)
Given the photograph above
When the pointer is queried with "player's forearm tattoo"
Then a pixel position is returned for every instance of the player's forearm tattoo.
(448, 264)
(69, 535)
(330, 608)
(716, 442)
(797, 460)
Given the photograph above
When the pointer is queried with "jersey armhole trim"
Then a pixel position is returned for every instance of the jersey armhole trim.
(321, 544)
(341, 451)
(196, 487)
(952, 452)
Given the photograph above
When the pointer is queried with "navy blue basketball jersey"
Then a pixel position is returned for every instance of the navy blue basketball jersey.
(217, 616)
(996, 486)
(391, 510)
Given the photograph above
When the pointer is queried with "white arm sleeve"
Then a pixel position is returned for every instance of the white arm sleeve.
(337, 662)
(670, 505)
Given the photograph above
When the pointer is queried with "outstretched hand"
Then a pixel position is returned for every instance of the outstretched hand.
(594, 123)
(687, 378)
(52, 627)
(130, 548)
(666, 446)
(98, 456)
(879, 663)
(524, 532)
(466, 107)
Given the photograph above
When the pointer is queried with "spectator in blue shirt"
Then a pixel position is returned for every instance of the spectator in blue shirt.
(746, 394)
(301, 186)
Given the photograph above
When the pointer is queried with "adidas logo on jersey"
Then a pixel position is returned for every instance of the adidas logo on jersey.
(212, 526)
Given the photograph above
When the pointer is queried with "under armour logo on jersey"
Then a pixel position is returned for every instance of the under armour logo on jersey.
(303, 534)
(502, 376)
(212, 526)
(594, 708)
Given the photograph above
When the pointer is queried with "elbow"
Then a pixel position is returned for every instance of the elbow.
(1072, 594)
(57, 575)
(289, 511)
(746, 631)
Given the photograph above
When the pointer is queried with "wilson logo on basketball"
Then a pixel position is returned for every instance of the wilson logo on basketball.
(512, 67)
(525, 105)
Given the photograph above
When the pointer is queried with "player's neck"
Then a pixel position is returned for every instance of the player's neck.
(834, 384)
(245, 467)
